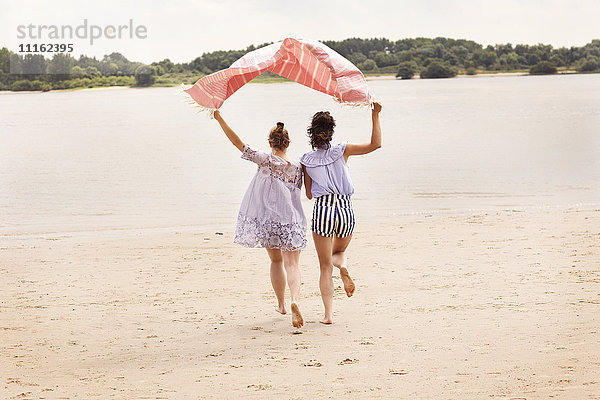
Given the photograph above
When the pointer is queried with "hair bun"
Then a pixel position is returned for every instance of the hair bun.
(278, 137)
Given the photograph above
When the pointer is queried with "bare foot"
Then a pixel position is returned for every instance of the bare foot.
(281, 310)
(326, 321)
(348, 282)
(297, 320)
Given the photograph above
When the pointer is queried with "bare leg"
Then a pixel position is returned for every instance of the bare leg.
(290, 262)
(339, 260)
(323, 245)
(278, 278)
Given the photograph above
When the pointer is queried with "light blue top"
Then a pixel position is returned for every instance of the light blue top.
(328, 170)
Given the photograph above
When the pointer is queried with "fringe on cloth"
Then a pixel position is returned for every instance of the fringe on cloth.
(356, 105)
(187, 99)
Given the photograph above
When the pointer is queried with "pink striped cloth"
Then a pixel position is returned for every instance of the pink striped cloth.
(307, 62)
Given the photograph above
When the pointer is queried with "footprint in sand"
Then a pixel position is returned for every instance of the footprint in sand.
(398, 372)
(365, 341)
(312, 363)
(259, 387)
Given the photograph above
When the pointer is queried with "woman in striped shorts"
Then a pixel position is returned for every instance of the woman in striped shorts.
(326, 178)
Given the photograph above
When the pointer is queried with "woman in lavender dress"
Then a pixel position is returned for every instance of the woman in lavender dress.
(271, 214)
(327, 179)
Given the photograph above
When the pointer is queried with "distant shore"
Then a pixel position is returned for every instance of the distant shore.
(368, 77)
(477, 75)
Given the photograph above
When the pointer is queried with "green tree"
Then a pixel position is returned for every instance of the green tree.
(543, 67)
(357, 57)
(461, 52)
(163, 67)
(589, 64)
(502, 49)
(437, 69)
(404, 55)
(85, 62)
(21, 85)
(488, 58)
(197, 65)
(424, 53)
(37, 85)
(92, 71)
(144, 75)
(383, 59)
(33, 64)
(108, 68)
(77, 70)
(60, 66)
(406, 69)
(509, 60)
(558, 60)
(521, 49)
(348, 46)
(450, 59)
(123, 65)
(5, 60)
(533, 58)
(16, 64)
(367, 65)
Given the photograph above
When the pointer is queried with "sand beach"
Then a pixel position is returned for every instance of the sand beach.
(497, 305)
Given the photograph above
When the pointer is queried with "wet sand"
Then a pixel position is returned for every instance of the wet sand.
(485, 306)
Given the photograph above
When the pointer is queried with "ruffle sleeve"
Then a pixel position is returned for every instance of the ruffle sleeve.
(316, 158)
(255, 156)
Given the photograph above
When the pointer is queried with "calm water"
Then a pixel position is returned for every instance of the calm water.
(142, 158)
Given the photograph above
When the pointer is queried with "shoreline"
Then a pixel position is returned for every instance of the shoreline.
(373, 77)
(126, 231)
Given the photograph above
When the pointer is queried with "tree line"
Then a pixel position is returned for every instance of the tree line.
(429, 57)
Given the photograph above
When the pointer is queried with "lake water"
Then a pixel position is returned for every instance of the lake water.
(98, 160)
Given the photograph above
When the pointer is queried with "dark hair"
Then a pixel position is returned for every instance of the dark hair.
(278, 137)
(320, 130)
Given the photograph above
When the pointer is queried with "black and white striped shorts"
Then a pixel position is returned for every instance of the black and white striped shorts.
(332, 213)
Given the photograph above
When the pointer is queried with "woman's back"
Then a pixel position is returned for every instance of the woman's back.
(328, 171)
(271, 212)
(327, 180)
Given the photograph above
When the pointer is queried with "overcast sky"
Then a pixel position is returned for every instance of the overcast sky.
(183, 29)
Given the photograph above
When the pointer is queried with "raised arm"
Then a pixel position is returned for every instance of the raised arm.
(355, 149)
(307, 183)
(231, 135)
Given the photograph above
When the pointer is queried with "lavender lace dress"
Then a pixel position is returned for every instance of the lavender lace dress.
(271, 214)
